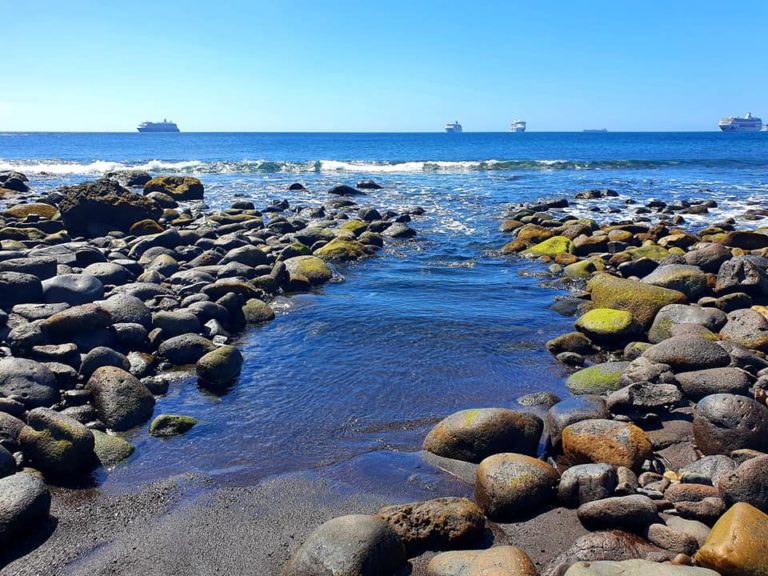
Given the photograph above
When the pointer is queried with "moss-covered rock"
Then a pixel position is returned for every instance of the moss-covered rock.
(312, 268)
(355, 226)
(597, 379)
(256, 311)
(340, 249)
(111, 449)
(167, 425)
(583, 269)
(220, 366)
(649, 250)
(551, 247)
(178, 187)
(510, 225)
(571, 342)
(36, 208)
(643, 300)
(606, 325)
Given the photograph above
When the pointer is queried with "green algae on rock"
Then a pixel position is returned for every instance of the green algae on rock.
(597, 379)
(607, 325)
(551, 247)
(341, 250)
(167, 425)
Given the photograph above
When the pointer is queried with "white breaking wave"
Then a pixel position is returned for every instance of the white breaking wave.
(94, 168)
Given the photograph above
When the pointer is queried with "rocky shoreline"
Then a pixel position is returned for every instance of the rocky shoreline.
(655, 464)
(106, 292)
(661, 448)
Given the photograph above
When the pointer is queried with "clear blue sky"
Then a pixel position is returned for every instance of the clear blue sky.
(299, 65)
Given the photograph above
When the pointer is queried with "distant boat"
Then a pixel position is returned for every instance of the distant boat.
(595, 130)
(454, 127)
(748, 123)
(164, 126)
(764, 128)
(518, 126)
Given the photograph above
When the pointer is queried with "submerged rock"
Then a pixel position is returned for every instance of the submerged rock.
(167, 425)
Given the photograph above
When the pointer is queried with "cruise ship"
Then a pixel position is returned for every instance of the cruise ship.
(164, 126)
(453, 127)
(517, 126)
(748, 123)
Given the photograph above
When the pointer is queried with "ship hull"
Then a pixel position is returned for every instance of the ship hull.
(730, 128)
(157, 129)
(517, 129)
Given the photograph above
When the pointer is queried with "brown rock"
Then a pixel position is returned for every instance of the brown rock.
(736, 544)
(606, 441)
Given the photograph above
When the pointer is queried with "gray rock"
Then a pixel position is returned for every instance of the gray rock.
(17, 288)
(632, 513)
(43, 267)
(572, 410)
(128, 309)
(635, 568)
(698, 530)
(10, 426)
(709, 257)
(686, 279)
(39, 311)
(740, 274)
(641, 397)
(746, 328)
(670, 539)
(684, 353)
(473, 435)
(25, 502)
(350, 545)
(708, 470)
(77, 319)
(726, 422)
(7, 462)
(700, 383)
(108, 273)
(120, 399)
(674, 314)
(586, 482)
(399, 230)
(248, 255)
(747, 483)
(176, 323)
(57, 445)
(220, 366)
(102, 356)
(111, 450)
(73, 289)
(28, 382)
(185, 349)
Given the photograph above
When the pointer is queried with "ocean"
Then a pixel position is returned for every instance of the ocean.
(347, 380)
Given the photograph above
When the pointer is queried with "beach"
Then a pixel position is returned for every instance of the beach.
(318, 311)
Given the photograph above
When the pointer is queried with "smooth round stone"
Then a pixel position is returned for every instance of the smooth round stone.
(607, 326)
(256, 311)
(314, 269)
(57, 445)
(354, 545)
(606, 441)
(586, 482)
(510, 485)
(83, 318)
(747, 483)
(684, 353)
(473, 435)
(700, 383)
(73, 289)
(723, 423)
(128, 309)
(674, 314)
(102, 356)
(220, 366)
(689, 280)
(597, 379)
(636, 567)
(176, 323)
(28, 382)
(120, 399)
(111, 450)
(43, 267)
(632, 513)
(185, 349)
(24, 503)
(746, 328)
(108, 272)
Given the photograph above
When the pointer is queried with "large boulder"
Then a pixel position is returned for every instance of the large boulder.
(736, 544)
(606, 441)
(93, 208)
(674, 314)
(312, 268)
(177, 187)
(699, 383)
(83, 318)
(689, 280)
(185, 349)
(74, 289)
(25, 501)
(723, 423)
(57, 445)
(511, 485)
(354, 545)
(473, 435)
(440, 524)
(28, 382)
(120, 399)
(685, 353)
(741, 274)
(607, 326)
(641, 299)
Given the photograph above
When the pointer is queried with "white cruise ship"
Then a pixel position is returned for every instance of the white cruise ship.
(748, 123)
(164, 126)
(517, 126)
(453, 127)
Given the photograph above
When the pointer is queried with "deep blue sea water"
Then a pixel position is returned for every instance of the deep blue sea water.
(348, 380)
